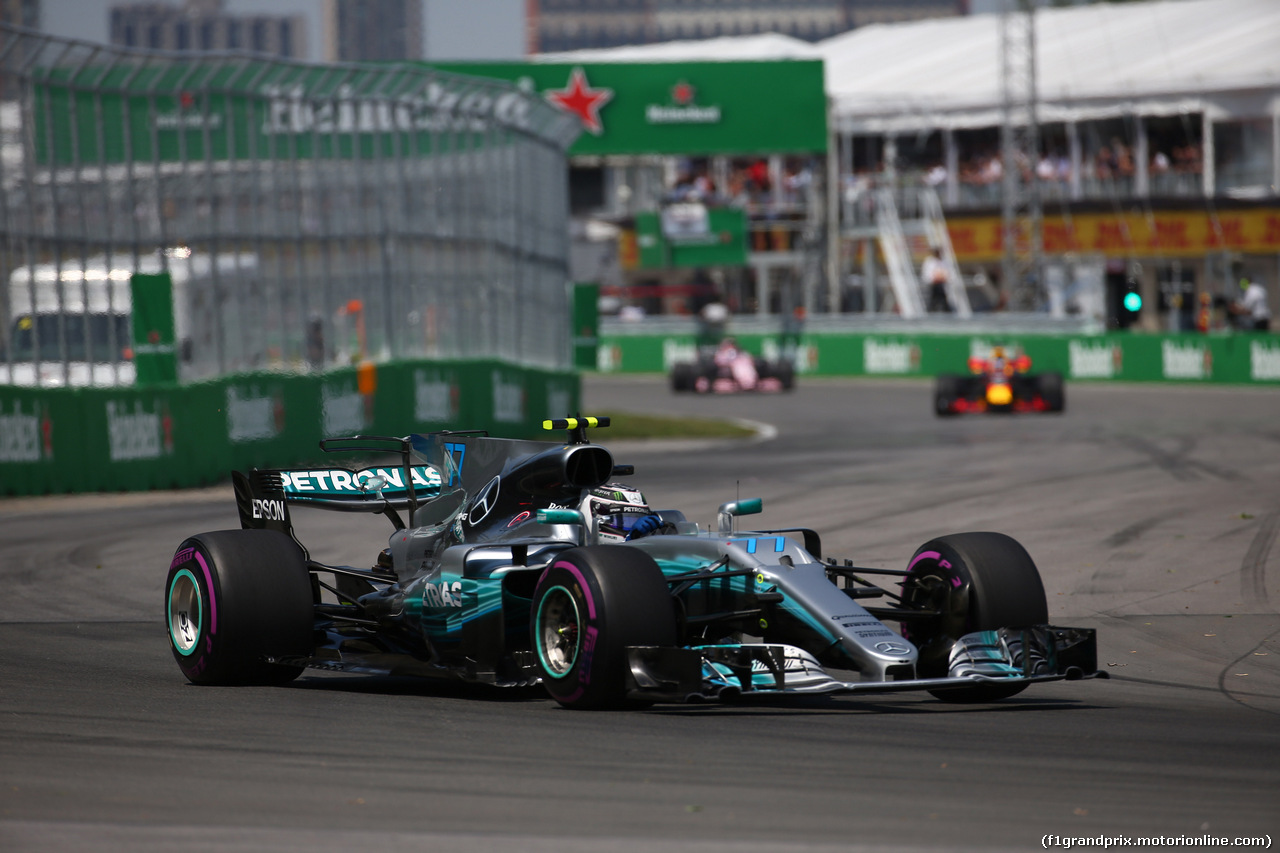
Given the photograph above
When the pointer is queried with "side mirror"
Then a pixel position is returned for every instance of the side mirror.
(724, 518)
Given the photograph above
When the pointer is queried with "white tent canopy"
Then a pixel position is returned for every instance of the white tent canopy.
(724, 49)
(1155, 58)
(1220, 57)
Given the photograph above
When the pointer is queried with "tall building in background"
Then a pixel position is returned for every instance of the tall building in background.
(204, 25)
(20, 13)
(557, 25)
(372, 30)
(863, 12)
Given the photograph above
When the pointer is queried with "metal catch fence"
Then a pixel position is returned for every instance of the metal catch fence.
(307, 214)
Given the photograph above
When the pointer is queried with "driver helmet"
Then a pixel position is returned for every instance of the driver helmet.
(612, 510)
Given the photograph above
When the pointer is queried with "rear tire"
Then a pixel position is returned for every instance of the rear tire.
(705, 375)
(946, 391)
(787, 375)
(978, 582)
(234, 598)
(589, 605)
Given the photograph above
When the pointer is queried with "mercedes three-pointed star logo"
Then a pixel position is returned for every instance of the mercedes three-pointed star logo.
(484, 502)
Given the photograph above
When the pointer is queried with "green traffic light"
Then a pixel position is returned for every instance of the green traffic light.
(1133, 302)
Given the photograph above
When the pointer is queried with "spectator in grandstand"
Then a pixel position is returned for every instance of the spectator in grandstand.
(1187, 159)
(758, 176)
(1123, 158)
(1252, 307)
(992, 171)
(1063, 166)
(933, 272)
(737, 191)
(1105, 164)
(1046, 170)
(703, 187)
(796, 183)
(693, 185)
(680, 189)
(1204, 314)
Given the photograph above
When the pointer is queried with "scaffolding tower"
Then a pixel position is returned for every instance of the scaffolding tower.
(1021, 215)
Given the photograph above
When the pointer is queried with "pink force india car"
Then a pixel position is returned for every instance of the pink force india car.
(728, 369)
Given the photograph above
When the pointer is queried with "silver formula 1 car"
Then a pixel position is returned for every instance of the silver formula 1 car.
(517, 562)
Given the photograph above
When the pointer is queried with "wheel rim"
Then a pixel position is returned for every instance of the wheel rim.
(558, 631)
(930, 589)
(186, 612)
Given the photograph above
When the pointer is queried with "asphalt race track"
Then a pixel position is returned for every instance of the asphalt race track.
(1152, 513)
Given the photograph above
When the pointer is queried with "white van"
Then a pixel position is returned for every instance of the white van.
(77, 331)
(80, 320)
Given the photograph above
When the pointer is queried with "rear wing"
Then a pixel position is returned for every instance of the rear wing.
(263, 495)
(344, 485)
(470, 458)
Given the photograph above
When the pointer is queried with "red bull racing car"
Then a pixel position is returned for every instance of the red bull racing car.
(1000, 382)
(522, 563)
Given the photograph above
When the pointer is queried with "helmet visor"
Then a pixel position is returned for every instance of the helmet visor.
(619, 519)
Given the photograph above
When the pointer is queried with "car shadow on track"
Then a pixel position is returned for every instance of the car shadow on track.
(380, 685)
(828, 705)
(390, 685)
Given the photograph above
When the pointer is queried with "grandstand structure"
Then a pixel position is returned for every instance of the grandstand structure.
(1158, 159)
(1156, 165)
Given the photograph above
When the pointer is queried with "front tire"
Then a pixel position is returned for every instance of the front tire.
(1052, 392)
(589, 605)
(682, 377)
(977, 582)
(234, 598)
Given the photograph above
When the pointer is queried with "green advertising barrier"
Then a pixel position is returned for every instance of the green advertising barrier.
(1227, 359)
(29, 456)
(177, 436)
(130, 439)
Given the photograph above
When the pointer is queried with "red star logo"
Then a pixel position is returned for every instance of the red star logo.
(580, 99)
(682, 93)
